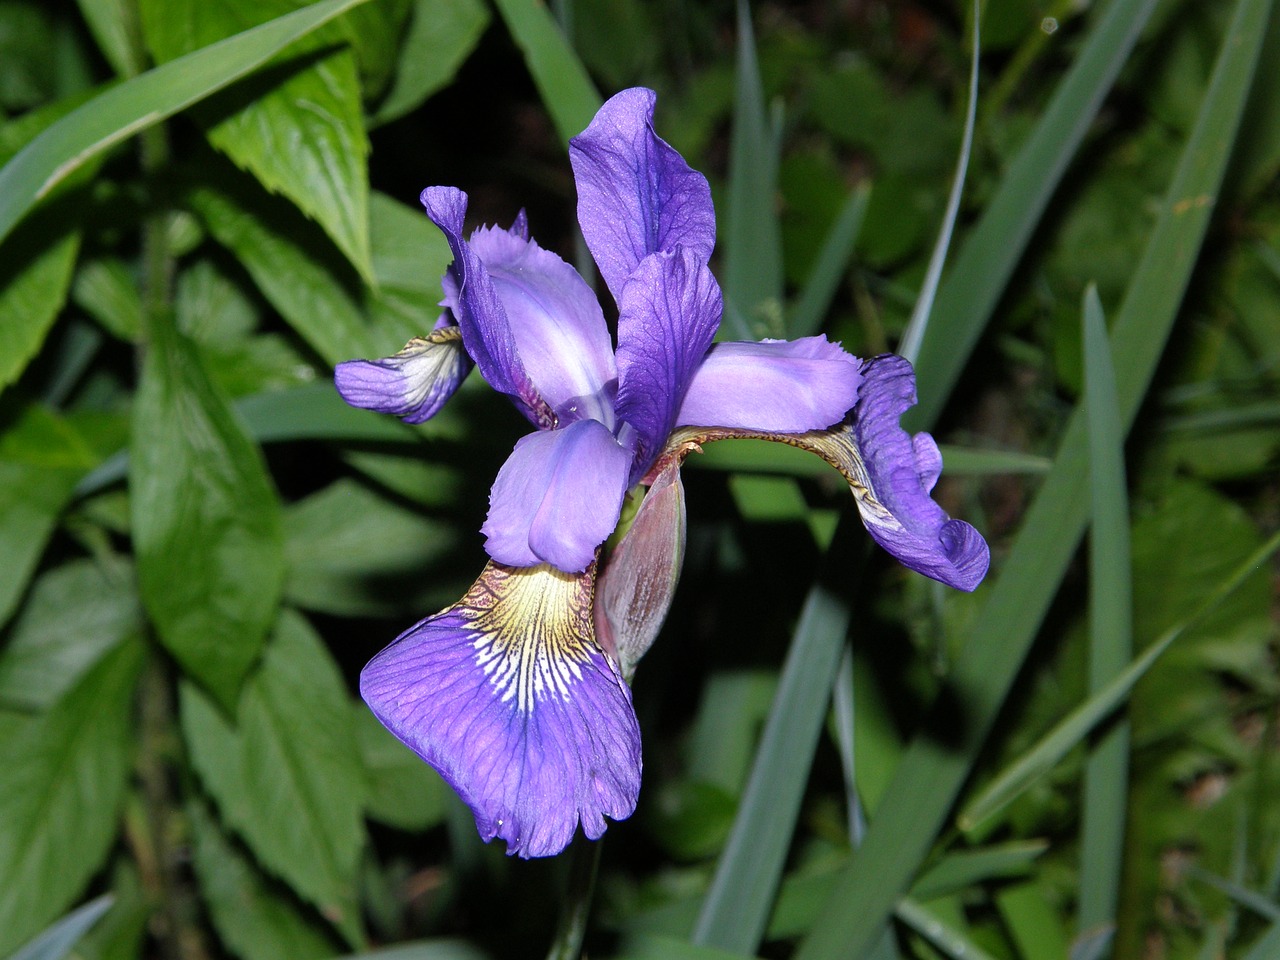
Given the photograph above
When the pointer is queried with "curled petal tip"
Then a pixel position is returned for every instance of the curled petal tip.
(509, 697)
(414, 384)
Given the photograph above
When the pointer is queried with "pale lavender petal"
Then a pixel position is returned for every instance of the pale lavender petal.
(636, 194)
(414, 384)
(560, 333)
(900, 471)
(557, 497)
(668, 314)
(509, 697)
(475, 303)
(782, 386)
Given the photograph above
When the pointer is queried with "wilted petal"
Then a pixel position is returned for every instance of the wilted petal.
(414, 384)
(668, 314)
(475, 303)
(784, 386)
(557, 497)
(639, 581)
(509, 697)
(636, 194)
(559, 329)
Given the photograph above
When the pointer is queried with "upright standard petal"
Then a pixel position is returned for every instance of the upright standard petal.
(636, 194)
(668, 314)
(784, 386)
(414, 384)
(475, 303)
(557, 497)
(560, 332)
(508, 695)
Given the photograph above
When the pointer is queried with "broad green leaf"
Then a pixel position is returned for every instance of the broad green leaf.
(403, 791)
(35, 272)
(118, 113)
(410, 256)
(298, 127)
(450, 29)
(289, 262)
(41, 460)
(66, 772)
(59, 940)
(254, 920)
(108, 21)
(375, 32)
(566, 90)
(351, 552)
(931, 773)
(303, 822)
(74, 615)
(106, 290)
(209, 546)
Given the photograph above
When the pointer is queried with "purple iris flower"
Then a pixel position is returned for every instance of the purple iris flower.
(517, 694)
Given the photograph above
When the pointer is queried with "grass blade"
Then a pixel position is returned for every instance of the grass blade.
(118, 113)
(984, 264)
(828, 269)
(1111, 627)
(913, 336)
(931, 772)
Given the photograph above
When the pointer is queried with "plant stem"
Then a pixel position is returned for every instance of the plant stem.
(584, 860)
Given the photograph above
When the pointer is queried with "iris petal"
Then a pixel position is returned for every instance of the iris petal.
(560, 332)
(775, 385)
(414, 384)
(508, 695)
(668, 314)
(479, 310)
(636, 194)
(557, 497)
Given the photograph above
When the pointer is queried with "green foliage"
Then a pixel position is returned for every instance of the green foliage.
(205, 207)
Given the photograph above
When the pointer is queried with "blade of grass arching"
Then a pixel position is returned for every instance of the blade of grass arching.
(933, 770)
(127, 108)
(736, 910)
(1053, 746)
(913, 336)
(752, 244)
(820, 287)
(1106, 776)
(1263, 906)
(981, 269)
(949, 941)
(562, 81)
(1267, 946)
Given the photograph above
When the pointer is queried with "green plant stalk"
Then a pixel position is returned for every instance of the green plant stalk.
(584, 862)
(931, 773)
(1106, 775)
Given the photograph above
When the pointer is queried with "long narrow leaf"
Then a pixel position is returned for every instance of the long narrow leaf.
(1111, 626)
(824, 279)
(931, 773)
(133, 106)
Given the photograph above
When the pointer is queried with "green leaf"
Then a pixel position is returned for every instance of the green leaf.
(209, 546)
(351, 552)
(106, 289)
(931, 773)
(647, 946)
(409, 257)
(66, 772)
(403, 791)
(566, 90)
(253, 920)
(75, 614)
(450, 29)
(35, 272)
(41, 460)
(118, 113)
(108, 21)
(298, 275)
(303, 822)
(297, 127)
(56, 942)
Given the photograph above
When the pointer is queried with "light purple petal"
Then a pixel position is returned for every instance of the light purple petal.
(560, 332)
(668, 314)
(900, 471)
(414, 384)
(509, 697)
(636, 194)
(471, 296)
(776, 385)
(557, 497)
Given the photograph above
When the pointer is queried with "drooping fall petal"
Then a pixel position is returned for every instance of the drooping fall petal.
(414, 383)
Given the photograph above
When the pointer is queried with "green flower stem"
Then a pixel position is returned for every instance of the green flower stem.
(584, 861)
